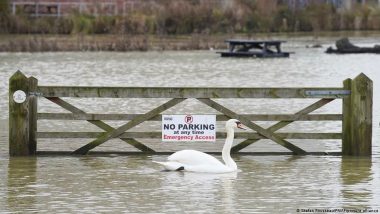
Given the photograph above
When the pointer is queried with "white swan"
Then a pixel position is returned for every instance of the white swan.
(196, 161)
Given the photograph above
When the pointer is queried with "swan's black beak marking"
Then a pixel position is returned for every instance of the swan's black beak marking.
(180, 168)
(241, 126)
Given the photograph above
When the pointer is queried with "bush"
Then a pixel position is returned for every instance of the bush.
(63, 26)
(195, 16)
(82, 23)
(103, 24)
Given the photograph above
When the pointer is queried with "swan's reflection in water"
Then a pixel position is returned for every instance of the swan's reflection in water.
(204, 190)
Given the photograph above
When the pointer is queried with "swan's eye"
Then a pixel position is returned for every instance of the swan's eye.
(240, 125)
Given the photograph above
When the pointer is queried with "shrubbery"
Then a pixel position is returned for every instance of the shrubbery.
(188, 17)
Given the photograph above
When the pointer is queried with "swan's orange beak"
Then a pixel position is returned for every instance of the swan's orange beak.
(241, 126)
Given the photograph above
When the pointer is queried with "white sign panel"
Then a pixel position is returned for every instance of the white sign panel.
(19, 96)
(188, 128)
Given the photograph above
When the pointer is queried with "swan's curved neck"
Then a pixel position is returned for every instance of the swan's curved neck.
(226, 152)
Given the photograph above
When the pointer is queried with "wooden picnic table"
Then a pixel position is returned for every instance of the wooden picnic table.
(253, 48)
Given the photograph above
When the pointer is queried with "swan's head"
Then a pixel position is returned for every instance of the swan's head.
(233, 123)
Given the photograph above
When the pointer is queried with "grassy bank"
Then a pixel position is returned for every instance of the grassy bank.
(115, 42)
(163, 17)
(162, 24)
(107, 42)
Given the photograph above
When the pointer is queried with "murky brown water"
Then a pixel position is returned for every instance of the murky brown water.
(272, 184)
(133, 184)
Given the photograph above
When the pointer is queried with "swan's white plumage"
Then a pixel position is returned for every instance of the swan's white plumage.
(172, 166)
(192, 157)
(196, 161)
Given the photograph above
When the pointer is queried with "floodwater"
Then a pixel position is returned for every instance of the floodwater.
(133, 184)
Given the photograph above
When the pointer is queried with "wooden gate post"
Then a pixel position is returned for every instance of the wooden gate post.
(20, 120)
(357, 117)
(33, 83)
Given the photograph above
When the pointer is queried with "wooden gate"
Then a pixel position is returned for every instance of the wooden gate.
(356, 119)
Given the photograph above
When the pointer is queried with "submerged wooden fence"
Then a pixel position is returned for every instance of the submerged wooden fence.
(356, 119)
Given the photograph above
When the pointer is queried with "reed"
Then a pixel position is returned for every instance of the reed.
(197, 21)
(188, 17)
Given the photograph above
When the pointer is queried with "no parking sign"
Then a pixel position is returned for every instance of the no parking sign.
(188, 128)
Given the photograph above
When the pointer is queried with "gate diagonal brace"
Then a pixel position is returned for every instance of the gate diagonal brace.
(98, 123)
(136, 121)
(282, 124)
(266, 133)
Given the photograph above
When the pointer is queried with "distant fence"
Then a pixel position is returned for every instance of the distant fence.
(356, 115)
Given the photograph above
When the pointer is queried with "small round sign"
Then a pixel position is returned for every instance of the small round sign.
(19, 96)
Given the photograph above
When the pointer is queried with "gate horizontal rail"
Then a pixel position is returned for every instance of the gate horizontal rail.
(187, 92)
(252, 117)
(158, 135)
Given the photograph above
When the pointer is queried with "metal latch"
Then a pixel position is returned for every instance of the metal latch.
(333, 93)
(34, 93)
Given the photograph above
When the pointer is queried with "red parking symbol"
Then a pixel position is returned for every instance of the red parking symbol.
(188, 119)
